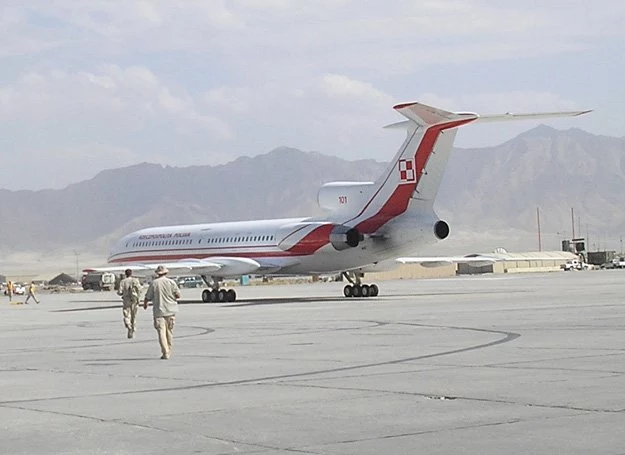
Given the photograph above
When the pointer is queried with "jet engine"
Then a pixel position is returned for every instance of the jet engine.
(441, 229)
(343, 237)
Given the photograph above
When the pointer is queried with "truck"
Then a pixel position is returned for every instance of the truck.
(600, 257)
(98, 281)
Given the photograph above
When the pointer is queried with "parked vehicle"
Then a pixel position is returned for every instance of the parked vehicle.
(572, 264)
(18, 289)
(619, 262)
(104, 281)
(600, 257)
(190, 282)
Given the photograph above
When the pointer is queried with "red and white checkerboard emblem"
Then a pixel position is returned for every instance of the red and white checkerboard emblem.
(406, 171)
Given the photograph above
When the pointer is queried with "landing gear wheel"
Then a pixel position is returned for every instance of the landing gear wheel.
(231, 295)
(214, 295)
(364, 290)
(206, 296)
(348, 290)
(357, 292)
(221, 295)
(373, 290)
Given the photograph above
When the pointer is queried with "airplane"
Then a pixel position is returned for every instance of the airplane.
(370, 226)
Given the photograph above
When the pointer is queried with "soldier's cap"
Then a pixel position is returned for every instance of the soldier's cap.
(161, 270)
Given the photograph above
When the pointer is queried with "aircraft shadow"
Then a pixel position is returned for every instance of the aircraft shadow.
(286, 300)
(242, 303)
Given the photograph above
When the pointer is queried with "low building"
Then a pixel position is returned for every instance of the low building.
(542, 261)
(536, 261)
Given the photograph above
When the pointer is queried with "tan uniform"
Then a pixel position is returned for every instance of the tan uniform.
(164, 294)
(31, 293)
(130, 290)
(10, 289)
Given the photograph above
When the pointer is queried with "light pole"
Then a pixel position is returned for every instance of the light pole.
(77, 253)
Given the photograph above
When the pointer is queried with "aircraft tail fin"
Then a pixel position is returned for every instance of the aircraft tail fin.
(414, 175)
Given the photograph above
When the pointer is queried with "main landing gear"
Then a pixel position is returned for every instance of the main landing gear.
(215, 294)
(356, 288)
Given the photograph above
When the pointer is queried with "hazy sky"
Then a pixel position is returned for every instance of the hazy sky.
(89, 85)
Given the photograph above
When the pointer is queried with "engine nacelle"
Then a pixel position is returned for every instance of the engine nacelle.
(344, 196)
(343, 237)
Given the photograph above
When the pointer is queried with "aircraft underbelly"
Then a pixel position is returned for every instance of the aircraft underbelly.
(329, 260)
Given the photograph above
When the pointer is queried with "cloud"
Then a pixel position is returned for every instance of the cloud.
(82, 99)
(202, 82)
(501, 102)
(420, 33)
(234, 99)
(343, 86)
(112, 108)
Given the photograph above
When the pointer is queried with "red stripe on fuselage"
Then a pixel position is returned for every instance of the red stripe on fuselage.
(178, 256)
(394, 206)
(317, 238)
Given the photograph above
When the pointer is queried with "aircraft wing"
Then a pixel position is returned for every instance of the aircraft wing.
(476, 260)
(215, 266)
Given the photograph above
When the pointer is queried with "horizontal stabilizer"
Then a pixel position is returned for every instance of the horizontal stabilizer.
(508, 116)
(531, 116)
(425, 115)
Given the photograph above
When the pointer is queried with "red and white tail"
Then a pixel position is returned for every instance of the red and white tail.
(417, 169)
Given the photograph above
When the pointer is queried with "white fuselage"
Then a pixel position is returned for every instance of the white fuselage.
(267, 241)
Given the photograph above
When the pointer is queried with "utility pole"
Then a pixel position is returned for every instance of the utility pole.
(572, 224)
(579, 231)
(77, 253)
(538, 223)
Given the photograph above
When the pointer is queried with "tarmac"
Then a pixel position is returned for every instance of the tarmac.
(531, 363)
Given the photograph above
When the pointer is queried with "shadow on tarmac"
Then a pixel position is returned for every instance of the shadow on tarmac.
(242, 303)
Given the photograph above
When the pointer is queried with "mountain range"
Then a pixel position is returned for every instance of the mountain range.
(494, 189)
